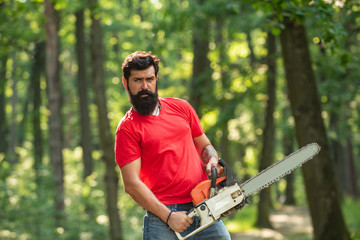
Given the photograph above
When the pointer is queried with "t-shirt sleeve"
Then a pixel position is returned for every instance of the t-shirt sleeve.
(195, 125)
(127, 147)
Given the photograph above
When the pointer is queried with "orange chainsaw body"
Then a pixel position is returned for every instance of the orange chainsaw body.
(202, 191)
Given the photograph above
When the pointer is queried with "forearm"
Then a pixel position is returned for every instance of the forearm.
(146, 199)
(208, 154)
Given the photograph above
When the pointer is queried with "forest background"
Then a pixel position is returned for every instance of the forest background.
(266, 78)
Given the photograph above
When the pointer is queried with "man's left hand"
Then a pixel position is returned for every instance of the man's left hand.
(214, 162)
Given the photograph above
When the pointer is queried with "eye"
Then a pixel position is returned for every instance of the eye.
(150, 79)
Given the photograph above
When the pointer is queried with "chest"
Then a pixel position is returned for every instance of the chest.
(164, 130)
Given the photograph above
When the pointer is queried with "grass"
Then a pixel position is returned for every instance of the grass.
(245, 219)
(242, 220)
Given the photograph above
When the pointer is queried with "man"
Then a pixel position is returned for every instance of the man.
(162, 150)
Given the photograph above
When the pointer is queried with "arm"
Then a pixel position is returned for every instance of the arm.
(178, 221)
(208, 154)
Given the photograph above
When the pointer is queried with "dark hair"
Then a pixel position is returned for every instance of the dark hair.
(139, 61)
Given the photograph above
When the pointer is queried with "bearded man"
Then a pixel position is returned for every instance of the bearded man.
(163, 153)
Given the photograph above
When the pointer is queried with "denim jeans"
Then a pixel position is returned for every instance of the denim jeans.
(155, 229)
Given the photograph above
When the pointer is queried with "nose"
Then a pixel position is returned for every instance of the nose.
(144, 85)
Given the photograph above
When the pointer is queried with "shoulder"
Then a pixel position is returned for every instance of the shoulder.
(175, 102)
(126, 121)
(179, 107)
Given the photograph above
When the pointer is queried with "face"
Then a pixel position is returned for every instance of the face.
(142, 80)
(142, 89)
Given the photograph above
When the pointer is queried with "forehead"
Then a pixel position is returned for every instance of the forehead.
(148, 72)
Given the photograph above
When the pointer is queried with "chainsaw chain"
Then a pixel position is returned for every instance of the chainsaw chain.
(281, 176)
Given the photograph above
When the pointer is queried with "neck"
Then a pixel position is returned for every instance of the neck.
(156, 112)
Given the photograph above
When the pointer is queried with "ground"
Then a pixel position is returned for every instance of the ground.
(289, 222)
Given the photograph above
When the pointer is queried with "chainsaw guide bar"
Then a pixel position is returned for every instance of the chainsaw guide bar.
(279, 169)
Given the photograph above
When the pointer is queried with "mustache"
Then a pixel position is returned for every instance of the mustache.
(145, 92)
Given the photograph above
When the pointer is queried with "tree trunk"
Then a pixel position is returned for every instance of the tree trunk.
(86, 142)
(23, 122)
(13, 125)
(288, 148)
(251, 48)
(351, 170)
(267, 152)
(336, 148)
(337, 153)
(351, 42)
(3, 123)
(319, 175)
(38, 152)
(37, 70)
(288, 143)
(201, 82)
(107, 145)
(55, 102)
(225, 82)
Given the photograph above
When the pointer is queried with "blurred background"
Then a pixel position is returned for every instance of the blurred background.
(265, 77)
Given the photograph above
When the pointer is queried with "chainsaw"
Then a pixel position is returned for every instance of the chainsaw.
(217, 198)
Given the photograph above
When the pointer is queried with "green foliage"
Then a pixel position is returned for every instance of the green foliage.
(20, 24)
(27, 209)
(320, 15)
(350, 208)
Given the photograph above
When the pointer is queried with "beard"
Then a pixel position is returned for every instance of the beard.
(144, 105)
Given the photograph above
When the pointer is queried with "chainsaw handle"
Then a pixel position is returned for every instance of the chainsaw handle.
(213, 177)
(213, 181)
(191, 214)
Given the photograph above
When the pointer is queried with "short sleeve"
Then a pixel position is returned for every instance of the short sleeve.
(195, 125)
(127, 147)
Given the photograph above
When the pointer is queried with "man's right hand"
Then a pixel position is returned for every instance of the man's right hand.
(179, 221)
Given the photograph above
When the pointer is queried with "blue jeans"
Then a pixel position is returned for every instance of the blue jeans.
(155, 229)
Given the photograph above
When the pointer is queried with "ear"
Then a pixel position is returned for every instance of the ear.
(124, 83)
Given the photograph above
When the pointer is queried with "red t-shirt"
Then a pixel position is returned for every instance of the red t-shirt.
(170, 165)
